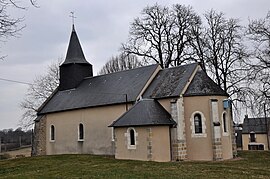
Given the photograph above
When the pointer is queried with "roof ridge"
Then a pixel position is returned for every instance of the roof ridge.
(121, 71)
(189, 64)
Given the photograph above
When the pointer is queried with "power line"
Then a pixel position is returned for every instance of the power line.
(15, 81)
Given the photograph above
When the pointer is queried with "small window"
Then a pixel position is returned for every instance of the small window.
(224, 122)
(52, 137)
(198, 123)
(132, 137)
(252, 137)
(81, 131)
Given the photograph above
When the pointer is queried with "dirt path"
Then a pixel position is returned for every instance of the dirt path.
(25, 152)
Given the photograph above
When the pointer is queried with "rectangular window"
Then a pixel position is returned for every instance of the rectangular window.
(252, 137)
(52, 133)
(224, 122)
(81, 132)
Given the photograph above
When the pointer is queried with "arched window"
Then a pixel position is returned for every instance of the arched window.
(132, 136)
(224, 122)
(52, 131)
(198, 123)
(81, 131)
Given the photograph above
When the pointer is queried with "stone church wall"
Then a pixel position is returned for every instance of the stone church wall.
(39, 140)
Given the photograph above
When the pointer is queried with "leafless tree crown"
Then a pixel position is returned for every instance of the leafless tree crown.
(42, 87)
(120, 63)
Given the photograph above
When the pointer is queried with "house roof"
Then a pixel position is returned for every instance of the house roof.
(203, 85)
(144, 113)
(74, 52)
(170, 82)
(257, 125)
(101, 90)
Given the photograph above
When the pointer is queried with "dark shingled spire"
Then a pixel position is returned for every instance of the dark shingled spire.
(74, 52)
(75, 67)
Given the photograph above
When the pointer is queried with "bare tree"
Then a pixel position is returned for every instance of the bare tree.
(10, 26)
(163, 35)
(119, 63)
(42, 87)
(175, 36)
(259, 34)
(223, 52)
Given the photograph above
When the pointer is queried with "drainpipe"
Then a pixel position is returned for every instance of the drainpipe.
(170, 135)
(266, 125)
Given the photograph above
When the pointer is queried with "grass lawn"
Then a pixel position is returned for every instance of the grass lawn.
(253, 164)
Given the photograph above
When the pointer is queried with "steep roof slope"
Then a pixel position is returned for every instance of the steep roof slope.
(74, 52)
(144, 113)
(170, 82)
(101, 90)
(203, 85)
(257, 125)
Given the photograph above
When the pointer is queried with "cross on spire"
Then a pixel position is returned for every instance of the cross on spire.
(72, 16)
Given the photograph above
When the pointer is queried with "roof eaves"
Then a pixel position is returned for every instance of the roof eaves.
(46, 101)
(203, 94)
(86, 107)
(142, 125)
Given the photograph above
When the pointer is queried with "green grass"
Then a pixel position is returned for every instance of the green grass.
(250, 165)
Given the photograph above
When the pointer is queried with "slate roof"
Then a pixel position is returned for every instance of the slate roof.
(74, 52)
(257, 125)
(170, 82)
(146, 112)
(101, 90)
(38, 118)
(203, 85)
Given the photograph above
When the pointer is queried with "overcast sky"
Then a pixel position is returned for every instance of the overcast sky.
(101, 26)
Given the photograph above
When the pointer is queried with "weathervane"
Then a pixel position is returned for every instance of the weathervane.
(72, 16)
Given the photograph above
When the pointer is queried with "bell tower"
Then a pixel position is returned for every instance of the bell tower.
(75, 67)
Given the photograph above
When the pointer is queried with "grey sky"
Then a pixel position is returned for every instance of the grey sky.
(101, 26)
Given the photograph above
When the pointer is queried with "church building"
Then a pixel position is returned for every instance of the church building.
(147, 113)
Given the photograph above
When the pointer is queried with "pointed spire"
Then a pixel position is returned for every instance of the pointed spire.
(74, 52)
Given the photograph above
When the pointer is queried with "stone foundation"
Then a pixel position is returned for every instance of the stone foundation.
(149, 144)
(217, 149)
(179, 151)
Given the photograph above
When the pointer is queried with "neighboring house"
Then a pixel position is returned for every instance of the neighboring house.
(147, 113)
(255, 133)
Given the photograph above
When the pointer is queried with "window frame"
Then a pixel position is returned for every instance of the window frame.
(225, 125)
(128, 136)
(203, 125)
